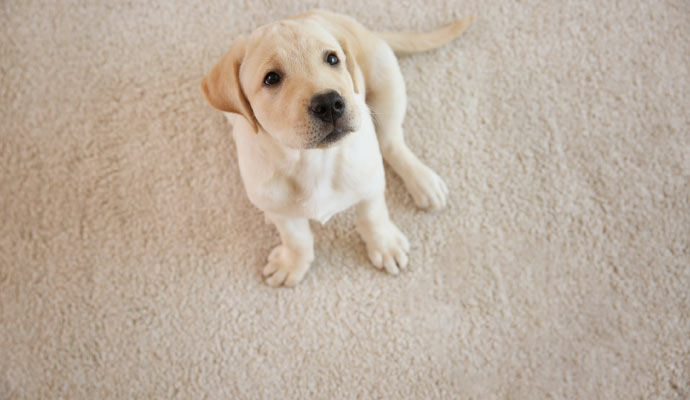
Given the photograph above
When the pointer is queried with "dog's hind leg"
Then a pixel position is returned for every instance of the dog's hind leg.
(387, 100)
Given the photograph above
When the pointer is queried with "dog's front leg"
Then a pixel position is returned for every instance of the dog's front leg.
(387, 247)
(289, 261)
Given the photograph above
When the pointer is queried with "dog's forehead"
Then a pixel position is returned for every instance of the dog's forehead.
(290, 39)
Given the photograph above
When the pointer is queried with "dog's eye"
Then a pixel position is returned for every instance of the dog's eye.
(332, 59)
(271, 79)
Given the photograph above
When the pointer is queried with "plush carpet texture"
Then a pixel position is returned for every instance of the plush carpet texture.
(131, 256)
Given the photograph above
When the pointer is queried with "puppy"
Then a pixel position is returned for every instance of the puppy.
(300, 94)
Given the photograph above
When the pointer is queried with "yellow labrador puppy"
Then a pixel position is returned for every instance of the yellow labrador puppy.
(300, 94)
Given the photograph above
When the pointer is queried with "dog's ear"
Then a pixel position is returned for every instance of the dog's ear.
(222, 85)
(351, 63)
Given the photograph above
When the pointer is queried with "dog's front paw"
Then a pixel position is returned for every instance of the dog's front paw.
(285, 267)
(387, 248)
(427, 188)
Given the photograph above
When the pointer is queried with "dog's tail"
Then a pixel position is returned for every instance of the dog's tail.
(408, 43)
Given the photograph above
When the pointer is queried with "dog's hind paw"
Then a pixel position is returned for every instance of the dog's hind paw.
(426, 188)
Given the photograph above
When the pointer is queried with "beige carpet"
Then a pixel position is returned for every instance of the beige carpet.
(131, 257)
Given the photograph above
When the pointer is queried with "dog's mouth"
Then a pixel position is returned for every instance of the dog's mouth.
(332, 137)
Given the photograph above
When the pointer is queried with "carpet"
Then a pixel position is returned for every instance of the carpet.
(130, 257)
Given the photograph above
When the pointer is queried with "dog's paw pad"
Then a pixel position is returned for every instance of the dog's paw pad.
(387, 249)
(427, 189)
(284, 267)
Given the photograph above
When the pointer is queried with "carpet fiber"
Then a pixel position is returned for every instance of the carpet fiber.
(131, 257)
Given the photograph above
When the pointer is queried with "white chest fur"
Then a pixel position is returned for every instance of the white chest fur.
(314, 184)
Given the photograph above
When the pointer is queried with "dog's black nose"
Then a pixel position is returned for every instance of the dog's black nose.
(328, 106)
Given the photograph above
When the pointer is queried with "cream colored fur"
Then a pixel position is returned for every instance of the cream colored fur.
(285, 171)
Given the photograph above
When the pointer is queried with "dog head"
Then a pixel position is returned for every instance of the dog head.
(293, 79)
